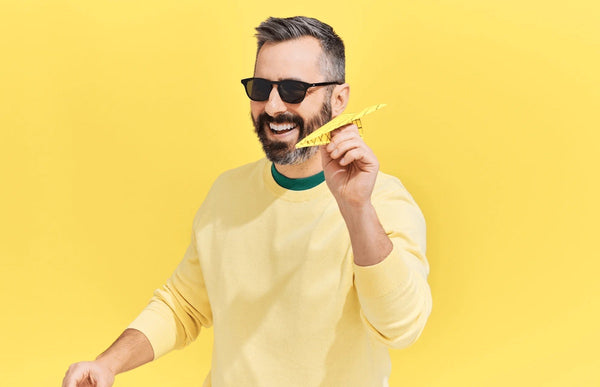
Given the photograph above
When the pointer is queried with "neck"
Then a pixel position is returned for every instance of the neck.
(308, 168)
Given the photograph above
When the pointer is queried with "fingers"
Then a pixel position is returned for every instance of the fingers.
(74, 373)
(76, 376)
(346, 149)
(341, 134)
(342, 140)
(87, 374)
(88, 382)
(351, 156)
(347, 146)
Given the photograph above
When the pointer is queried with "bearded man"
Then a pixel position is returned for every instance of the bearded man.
(309, 263)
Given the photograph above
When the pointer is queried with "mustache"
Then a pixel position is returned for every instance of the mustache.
(264, 118)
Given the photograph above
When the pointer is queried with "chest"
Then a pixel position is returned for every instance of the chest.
(291, 255)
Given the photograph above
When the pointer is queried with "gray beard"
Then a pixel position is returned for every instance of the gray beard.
(281, 152)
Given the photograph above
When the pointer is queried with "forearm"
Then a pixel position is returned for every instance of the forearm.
(130, 350)
(391, 285)
(370, 243)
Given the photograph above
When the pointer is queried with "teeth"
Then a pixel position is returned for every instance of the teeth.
(280, 127)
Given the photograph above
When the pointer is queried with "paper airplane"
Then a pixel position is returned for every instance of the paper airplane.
(322, 135)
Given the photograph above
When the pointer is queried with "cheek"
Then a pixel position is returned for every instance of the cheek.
(306, 111)
(256, 108)
(311, 106)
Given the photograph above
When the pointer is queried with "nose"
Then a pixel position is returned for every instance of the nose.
(275, 105)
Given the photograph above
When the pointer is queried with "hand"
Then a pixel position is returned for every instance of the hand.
(88, 374)
(350, 167)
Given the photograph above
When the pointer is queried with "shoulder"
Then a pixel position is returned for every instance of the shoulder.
(388, 187)
(231, 189)
(240, 176)
(243, 171)
(394, 204)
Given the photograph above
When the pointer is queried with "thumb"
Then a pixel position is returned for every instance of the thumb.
(325, 157)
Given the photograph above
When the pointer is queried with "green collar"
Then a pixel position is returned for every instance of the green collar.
(300, 184)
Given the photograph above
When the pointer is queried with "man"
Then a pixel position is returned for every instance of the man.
(306, 284)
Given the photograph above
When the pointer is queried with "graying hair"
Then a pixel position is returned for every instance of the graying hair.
(333, 60)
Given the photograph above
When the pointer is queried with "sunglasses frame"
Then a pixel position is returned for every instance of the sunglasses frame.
(305, 85)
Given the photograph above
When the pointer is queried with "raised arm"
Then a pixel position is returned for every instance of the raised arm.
(390, 268)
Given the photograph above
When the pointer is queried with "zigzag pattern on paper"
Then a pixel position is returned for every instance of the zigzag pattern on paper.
(322, 135)
(325, 138)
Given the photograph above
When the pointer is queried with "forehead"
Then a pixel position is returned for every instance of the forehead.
(291, 59)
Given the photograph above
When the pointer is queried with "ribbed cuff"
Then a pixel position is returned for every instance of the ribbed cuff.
(382, 278)
(159, 329)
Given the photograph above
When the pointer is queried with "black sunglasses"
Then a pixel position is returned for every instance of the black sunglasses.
(290, 91)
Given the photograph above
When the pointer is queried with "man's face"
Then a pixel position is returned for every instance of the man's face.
(299, 60)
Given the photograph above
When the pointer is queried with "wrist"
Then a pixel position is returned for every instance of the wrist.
(355, 211)
(370, 243)
(106, 362)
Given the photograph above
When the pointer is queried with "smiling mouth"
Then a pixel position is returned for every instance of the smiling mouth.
(282, 128)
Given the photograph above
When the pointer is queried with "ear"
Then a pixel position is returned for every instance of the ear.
(339, 99)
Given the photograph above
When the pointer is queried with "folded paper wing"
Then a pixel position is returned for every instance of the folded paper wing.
(322, 135)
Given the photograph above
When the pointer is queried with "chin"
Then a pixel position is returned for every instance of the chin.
(289, 157)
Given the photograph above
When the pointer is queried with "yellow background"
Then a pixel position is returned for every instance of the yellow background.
(116, 116)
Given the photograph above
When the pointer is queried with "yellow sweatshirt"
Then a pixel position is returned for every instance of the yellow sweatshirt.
(272, 270)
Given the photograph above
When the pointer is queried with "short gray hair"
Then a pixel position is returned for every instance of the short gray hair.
(333, 62)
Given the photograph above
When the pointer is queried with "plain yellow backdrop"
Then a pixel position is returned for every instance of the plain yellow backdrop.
(116, 117)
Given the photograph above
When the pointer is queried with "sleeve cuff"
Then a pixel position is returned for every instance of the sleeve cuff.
(159, 329)
(383, 277)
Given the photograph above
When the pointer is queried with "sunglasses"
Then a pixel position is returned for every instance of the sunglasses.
(290, 91)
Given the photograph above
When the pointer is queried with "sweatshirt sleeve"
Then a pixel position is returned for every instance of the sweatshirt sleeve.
(394, 295)
(177, 310)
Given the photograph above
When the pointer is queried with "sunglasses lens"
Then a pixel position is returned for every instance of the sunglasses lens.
(258, 89)
(292, 91)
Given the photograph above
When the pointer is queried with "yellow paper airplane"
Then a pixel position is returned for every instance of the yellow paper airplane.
(322, 135)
